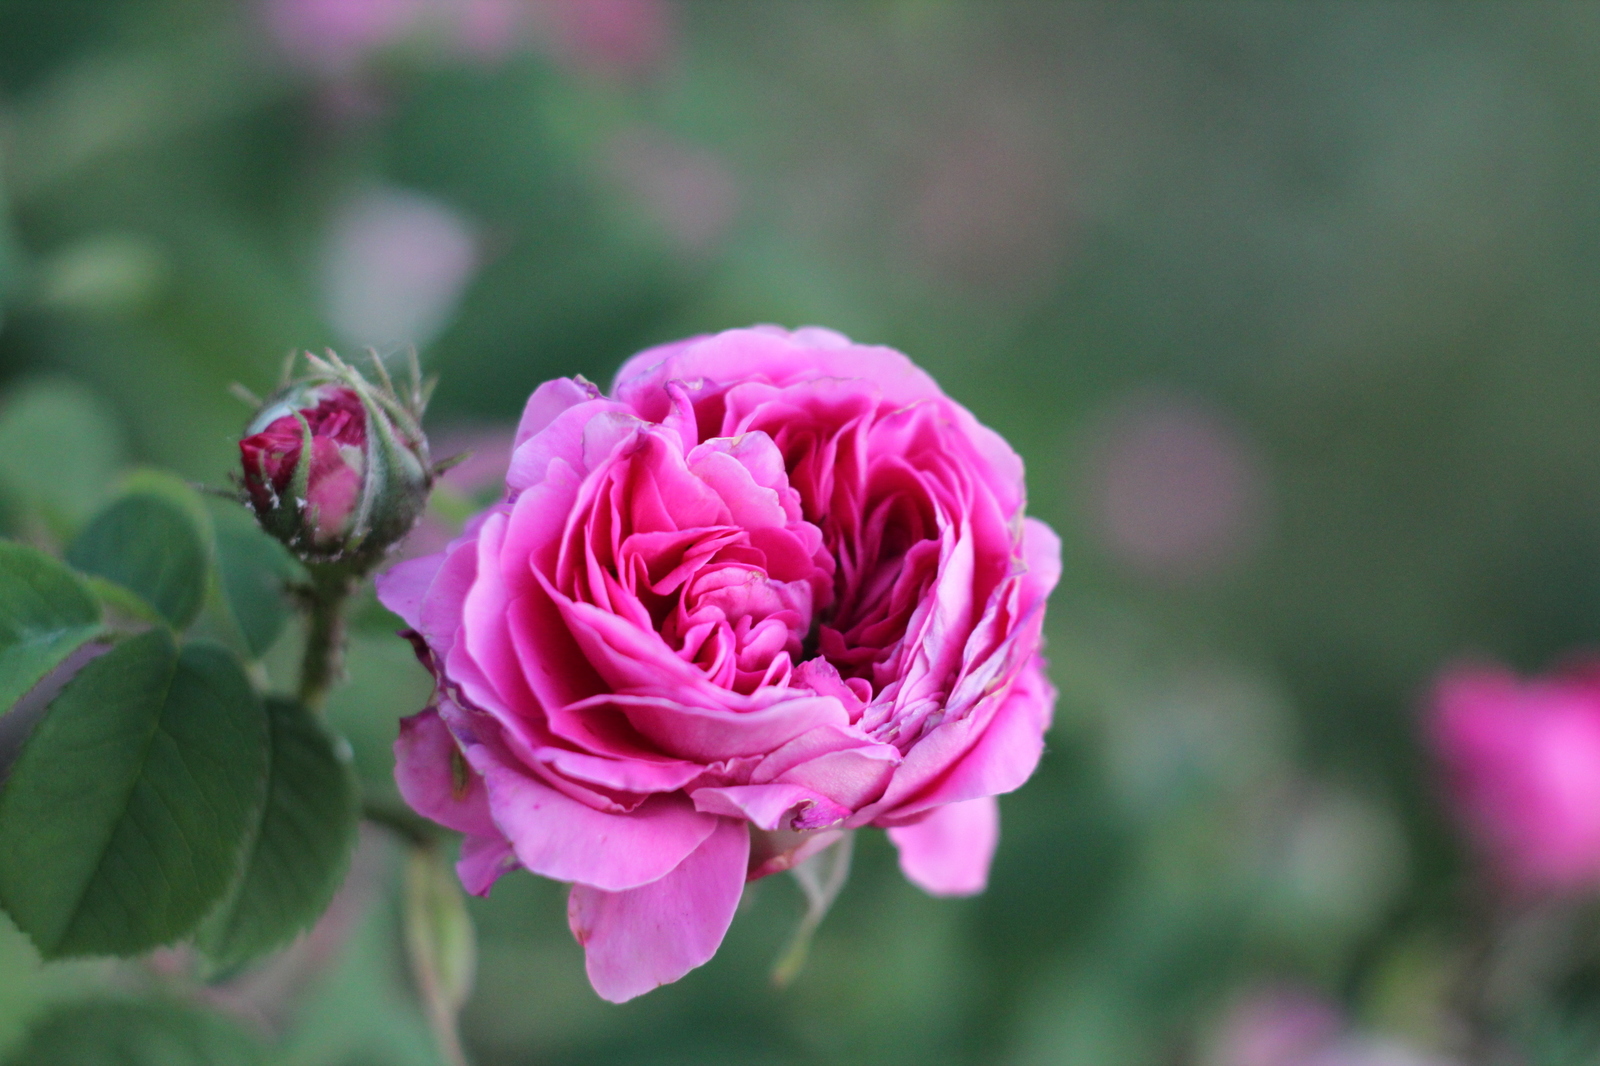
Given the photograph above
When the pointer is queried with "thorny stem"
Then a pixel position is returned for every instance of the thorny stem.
(323, 663)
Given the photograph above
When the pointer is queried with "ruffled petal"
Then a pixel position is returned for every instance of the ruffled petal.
(948, 852)
(402, 588)
(638, 940)
(1003, 756)
(771, 807)
(548, 401)
(559, 837)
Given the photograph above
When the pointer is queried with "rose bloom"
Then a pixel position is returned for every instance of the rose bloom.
(775, 587)
(270, 454)
(1522, 760)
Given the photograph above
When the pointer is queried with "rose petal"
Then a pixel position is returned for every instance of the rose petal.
(769, 806)
(483, 861)
(638, 940)
(436, 781)
(558, 837)
(948, 853)
(548, 401)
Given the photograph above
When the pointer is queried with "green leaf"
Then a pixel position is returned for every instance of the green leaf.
(151, 546)
(124, 817)
(60, 448)
(301, 847)
(253, 570)
(46, 614)
(132, 1033)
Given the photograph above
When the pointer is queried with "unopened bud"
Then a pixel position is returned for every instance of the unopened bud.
(337, 467)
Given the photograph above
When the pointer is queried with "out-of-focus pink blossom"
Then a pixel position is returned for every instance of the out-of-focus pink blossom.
(335, 35)
(992, 208)
(1287, 1026)
(1275, 1027)
(1522, 762)
(394, 267)
(1174, 490)
(619, 40)
(688, 191)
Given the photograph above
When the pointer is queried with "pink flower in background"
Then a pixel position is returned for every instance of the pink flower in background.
(688, 191)
(775, 587)
(620, 40)
(993, 207)
(335, 35)
(1522, 759)
(394, 267)
(1287, 1026)
(1174, 490)
(1277, 1026)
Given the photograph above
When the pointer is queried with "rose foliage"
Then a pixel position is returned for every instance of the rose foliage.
(775, 587)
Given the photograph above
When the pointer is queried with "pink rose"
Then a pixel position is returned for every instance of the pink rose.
(776, 587)
(1522, 759)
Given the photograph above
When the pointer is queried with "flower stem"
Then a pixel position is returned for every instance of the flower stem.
(323, 662)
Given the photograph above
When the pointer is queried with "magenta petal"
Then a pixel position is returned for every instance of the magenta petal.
(948, 852)
(1007, 752)
(638, 940)
(435, 779)
(402, 588)
(561, 838)
(483, 860)
(548, 401)
(767, 805)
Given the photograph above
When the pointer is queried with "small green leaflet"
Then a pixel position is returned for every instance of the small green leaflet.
(123, 819)
(152, 546)
(300, 850)
(46, 614)
(253, 570)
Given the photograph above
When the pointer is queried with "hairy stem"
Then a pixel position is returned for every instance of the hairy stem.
(323, 663)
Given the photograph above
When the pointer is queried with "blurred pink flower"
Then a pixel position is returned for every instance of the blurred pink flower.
(619, 40)
(394, 267)
(1174, 489)
(688, 191)
(1288, 1026)
(335, 35)
(1522, 761)
(992, 208)
(1281, 1026)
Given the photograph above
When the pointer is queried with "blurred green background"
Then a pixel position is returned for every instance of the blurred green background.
(1293, 310)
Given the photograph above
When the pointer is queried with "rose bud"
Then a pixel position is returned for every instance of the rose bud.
(1522, 763)
(775, 587)
(335, 467)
